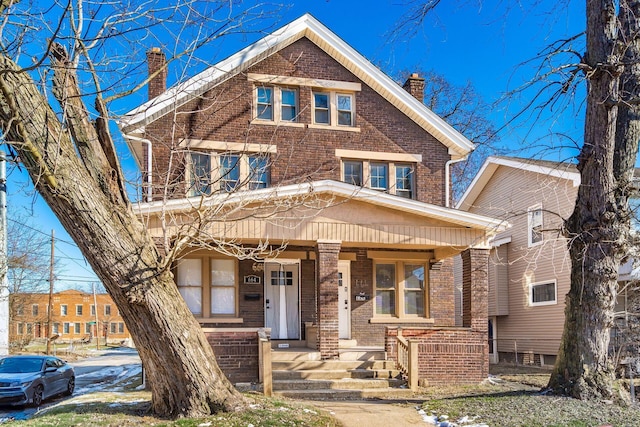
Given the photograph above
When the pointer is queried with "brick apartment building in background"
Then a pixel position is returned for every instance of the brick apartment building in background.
(76, 316)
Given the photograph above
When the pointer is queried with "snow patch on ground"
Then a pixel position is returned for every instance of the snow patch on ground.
(443, 420)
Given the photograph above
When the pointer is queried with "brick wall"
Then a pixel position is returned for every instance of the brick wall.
(442, 293)
(236, 353)
(327, 273)
(224, 114)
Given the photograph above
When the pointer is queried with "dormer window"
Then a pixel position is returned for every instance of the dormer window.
(226, 172)
(333, 109)
(394, 178)
(276, 104)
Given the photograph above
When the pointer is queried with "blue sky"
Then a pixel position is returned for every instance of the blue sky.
(481, 42)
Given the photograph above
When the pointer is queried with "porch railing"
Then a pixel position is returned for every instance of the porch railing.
(408, 360)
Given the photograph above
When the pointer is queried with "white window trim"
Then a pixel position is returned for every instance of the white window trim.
(79, 305)
(276, 106)
(105, 309)
(399, 290)
(530, 211)
(544, 282)
(391, 174)
(66, 310)
(333, 110)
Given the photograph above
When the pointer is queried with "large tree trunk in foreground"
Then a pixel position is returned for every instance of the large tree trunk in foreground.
(85, 191)
(598, 229)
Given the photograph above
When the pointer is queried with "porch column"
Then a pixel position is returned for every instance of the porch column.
(327, 252)
(475, 289)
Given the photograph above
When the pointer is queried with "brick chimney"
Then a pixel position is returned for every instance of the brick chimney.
(155, 61)
(415, 86)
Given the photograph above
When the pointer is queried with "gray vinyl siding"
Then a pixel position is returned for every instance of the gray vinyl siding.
(508, 195)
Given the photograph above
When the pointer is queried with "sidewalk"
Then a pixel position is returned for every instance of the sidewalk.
(373, 413)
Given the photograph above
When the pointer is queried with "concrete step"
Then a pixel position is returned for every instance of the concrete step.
(334, 374)
(280, 355)
(345, 365)
(341, 384)
(362, 354)
(335, 394)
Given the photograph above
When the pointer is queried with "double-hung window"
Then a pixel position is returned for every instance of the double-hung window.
(200, 174)
(190, 283)
(379, 176)
(223, 286)
(229, 172)
(210, 291)
(258, 171)
(400, 289)
(276, 104)
(394, 178)
(78, 309)
(352, 172)
(404, 181)
(63, 310)
(535, 225)
(34, 310)
(334, 109)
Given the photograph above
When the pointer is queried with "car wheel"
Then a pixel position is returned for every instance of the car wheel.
(37, 396)
(71, 385)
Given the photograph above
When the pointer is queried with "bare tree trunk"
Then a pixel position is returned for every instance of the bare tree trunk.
(598, 230)
(84, 189)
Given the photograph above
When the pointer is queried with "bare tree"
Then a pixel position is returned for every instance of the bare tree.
(70, 154)
(598, 231)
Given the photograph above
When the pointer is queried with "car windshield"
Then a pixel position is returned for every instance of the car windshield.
(14, 365)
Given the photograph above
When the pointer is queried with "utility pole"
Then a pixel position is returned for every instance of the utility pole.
(50, 306)
(4, 284)
(95, 312)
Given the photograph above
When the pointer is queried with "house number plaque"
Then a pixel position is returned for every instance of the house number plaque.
(252, 280)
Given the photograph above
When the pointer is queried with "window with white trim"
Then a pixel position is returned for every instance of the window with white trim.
(543, 293)
(63, 309)
(93, 310)
(391, 177)
(276, 104)
(400, 289)
(55, 329)
(223, 287)
(78, 309)
(34, 309)
(534, 225)
(65, 328)
(190, 283)
(76, 328)
(333, 109)
(227, 172)
(107, 309)
(87, 328)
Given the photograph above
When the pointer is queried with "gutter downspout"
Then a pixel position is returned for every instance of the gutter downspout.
(149, 180)
(447, 179)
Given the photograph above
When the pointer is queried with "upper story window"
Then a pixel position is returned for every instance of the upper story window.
(78, 309)
(334, 109)
(34, 309)
(543, 293)
(534, 225)
(394, 178)
(63, 310)
(211, 172)
(276, 104)
(107, 310)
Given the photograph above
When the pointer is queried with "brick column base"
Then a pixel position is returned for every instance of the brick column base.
(327, 292)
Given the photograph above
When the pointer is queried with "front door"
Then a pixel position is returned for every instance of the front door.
(281, 298)
(344, 299)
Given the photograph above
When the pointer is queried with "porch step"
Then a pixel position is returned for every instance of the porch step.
(335, 394)
(362, 353)
(343, 365)
(340, 384)
(335, 374)
(351, 353)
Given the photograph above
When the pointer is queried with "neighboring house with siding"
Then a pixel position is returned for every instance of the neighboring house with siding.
(75, 316)
(300, 118)
(529, 264)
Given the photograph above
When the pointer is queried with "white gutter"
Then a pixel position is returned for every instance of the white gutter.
(447, 178)
(149, 164)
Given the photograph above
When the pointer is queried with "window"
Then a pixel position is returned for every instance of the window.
(190, 283)
(258, 172)
(76, 328)
(394, 178)
(113, 326)
(20, 328)
(400, 288)
(107, 309)
(29, 329)
(55, 328)
(353, 173)
(535, 225)
(19, 311)
(78, 309)
(120, 327)
(335, 109)
(200, 174)
(63, 310)
(223, 286)
(543, 293)
(231, 171)
(264, 110)
(404, 181)
(65, 328)
(92, 309)
(276, 104)
(34, 309)
(87, 328)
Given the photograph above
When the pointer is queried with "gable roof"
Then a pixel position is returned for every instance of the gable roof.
(561, 170)
(335, 188)
(133, 123)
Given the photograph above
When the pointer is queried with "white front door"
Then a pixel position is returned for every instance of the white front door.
(281, 298)
(344, 299)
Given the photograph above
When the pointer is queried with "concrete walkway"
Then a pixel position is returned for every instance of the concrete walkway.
(372, 413)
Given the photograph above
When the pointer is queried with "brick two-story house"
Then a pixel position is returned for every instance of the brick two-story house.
(301, 144)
